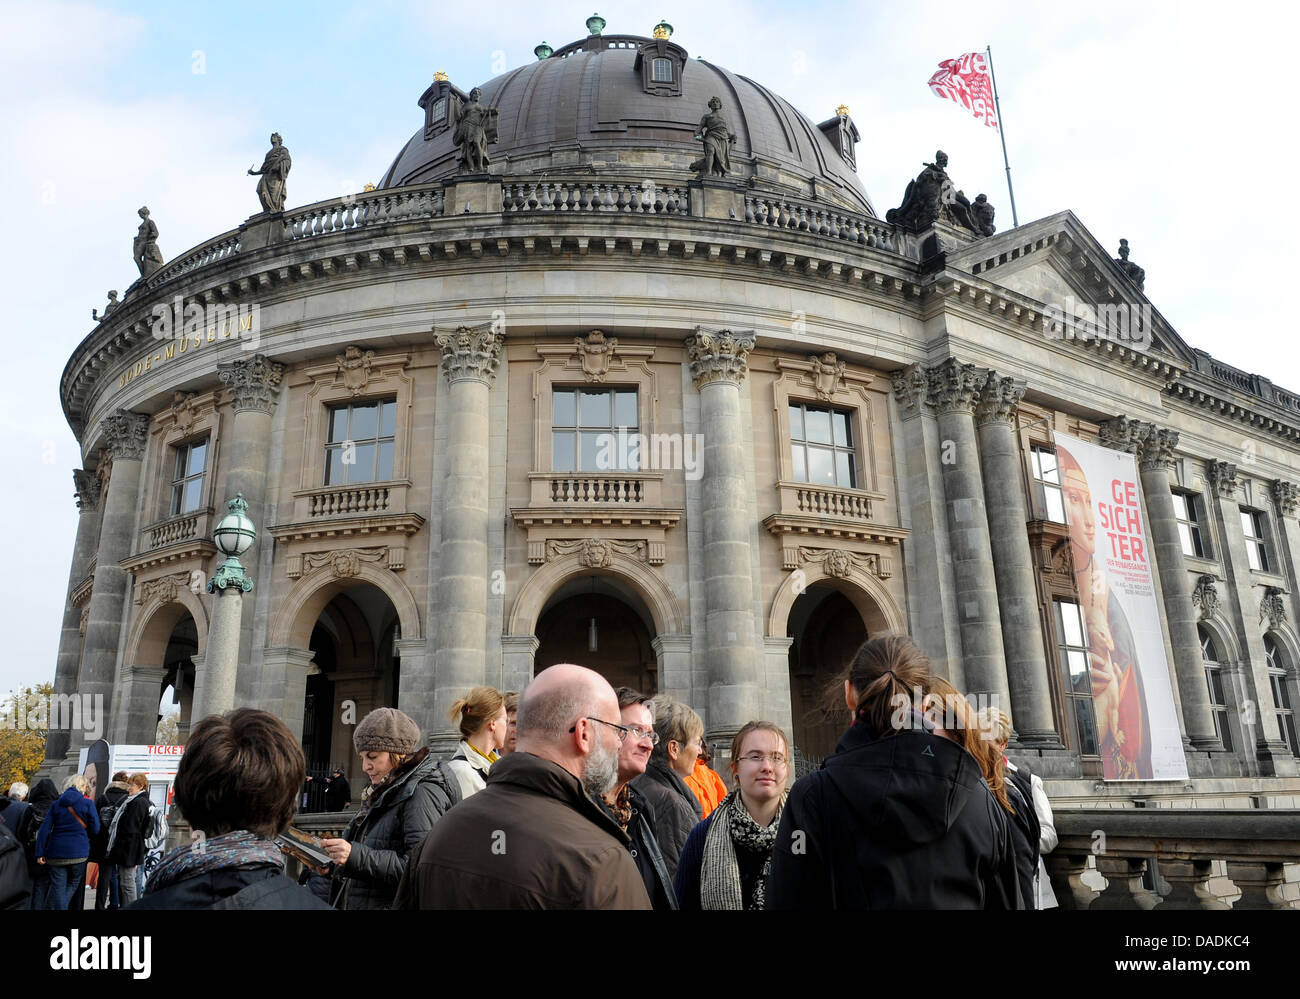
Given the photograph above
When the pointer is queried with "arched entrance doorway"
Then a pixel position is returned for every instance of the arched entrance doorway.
(178, 683)
(826, 629)
(595, 622)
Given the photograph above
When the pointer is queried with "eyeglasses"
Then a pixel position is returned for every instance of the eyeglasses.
(640, 733)
(778, 759)
(622, 730)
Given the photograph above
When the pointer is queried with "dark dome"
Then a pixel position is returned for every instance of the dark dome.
(586, 109)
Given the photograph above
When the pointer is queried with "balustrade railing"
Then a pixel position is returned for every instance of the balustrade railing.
(825, 501)
(334, 501)
(174, 529)
(355, 211)
(819, 220)
(217, 248)
(596, 489)
(646, 198)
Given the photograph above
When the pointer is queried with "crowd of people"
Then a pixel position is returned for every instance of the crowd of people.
(574, 794)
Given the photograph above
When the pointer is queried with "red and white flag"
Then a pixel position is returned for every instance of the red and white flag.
(966, 80)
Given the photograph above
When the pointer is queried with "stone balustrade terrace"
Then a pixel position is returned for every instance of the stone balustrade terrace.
(622, 197)
(175, 529)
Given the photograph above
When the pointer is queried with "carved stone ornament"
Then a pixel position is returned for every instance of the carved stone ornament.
(87, 490)
(472, 352)
(1205, 598)
(344, 563)
(254, 382)
(1286, 496)
(911, 388)
(933, 197)
(354, 368)
(718, 356)
(1222, 477)
(597, 553)
(164, 590)
(828, 375)
(595, 351)
(999, 398)
(184, 412)
(1061, 561)
(954, 386)
(843, 564)
(144, 248)
(125, 434)
(1156, 448)
(85, 616)
(1131, 270)
(1121, 434)
(1273, 607)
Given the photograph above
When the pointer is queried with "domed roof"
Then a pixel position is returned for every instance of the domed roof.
(592, 107)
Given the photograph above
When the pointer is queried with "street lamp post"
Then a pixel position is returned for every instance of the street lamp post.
(234, 535)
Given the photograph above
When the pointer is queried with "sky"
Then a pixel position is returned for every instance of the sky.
(1148, 121)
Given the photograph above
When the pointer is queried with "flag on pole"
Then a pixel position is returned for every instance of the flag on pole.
(966, 81)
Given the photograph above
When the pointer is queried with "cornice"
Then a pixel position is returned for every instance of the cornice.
(401, 524)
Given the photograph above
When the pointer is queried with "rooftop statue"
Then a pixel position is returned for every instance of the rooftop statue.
(1131, 270)
(982, 215)
(145, 248)
(931, 198)
(275, 171)
(113, 303)
(476, 126)
(718, 139)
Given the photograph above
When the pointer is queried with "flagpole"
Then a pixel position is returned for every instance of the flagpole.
(1002, 134)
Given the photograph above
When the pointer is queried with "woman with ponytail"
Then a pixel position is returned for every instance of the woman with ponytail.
(481, 717)
(900, 817)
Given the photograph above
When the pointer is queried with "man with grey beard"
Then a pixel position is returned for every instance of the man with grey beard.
(534, 838)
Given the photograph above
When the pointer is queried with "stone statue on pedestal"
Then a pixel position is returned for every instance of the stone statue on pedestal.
(982, 215)
(145, 248)
(271, 189)
(718, 139)
(1131, 270)
(113, 303)
(476, 127)
(931, 198)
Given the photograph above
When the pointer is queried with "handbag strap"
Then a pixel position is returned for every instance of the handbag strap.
(76, 816)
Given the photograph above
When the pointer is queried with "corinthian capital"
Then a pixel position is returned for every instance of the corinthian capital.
(955, 387)
(999, 397)
(1286, 496)
(87, 490)
(471, 353)
(1122, 434)
(1222, 477)
(1156, 447)
(254, 382)
(124, 434)
(719, 356)
(911, 388)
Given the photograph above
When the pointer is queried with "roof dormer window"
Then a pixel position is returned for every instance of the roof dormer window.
(661, 64)
(661, 71)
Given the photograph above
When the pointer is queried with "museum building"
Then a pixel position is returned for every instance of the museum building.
(601, 373)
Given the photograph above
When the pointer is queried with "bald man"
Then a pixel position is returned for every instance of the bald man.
(534, 838)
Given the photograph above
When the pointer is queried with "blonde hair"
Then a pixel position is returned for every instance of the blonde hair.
(970, 734)
(738, 743)
(476, 709)
(139, 780)
(995, 723)
(77, 781)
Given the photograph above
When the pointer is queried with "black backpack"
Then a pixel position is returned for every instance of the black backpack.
(15, 882)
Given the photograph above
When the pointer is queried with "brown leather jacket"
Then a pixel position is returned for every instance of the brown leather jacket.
(532, 839)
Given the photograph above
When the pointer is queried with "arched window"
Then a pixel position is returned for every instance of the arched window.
(1280, 679)
(1214, 678)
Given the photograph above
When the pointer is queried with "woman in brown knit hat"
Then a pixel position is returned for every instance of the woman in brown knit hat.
(406, 796)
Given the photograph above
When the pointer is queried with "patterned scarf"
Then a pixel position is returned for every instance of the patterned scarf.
(622, 807)
(233, 849)
(720, 875)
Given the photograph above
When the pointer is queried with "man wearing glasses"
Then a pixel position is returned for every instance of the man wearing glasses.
(535, 838)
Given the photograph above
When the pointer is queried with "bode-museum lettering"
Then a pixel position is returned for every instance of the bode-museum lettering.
(177, 335)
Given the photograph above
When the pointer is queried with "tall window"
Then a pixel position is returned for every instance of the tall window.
(1072, 644)
(187, 478)
(594, 430)
(360, 443)
(1047, 482)
(1189, 526)
(1252, 525)
(1214, 678)
(821, 443)
(1278, 679)
(438, 112)
(661, 71)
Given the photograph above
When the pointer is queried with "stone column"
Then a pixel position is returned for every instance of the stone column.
(1259, 726)
(124, 436)
(718, 364)
(932, 603)
(1154, 447)
(469, 360)
(673, 657)
(254, 384)
(138, 697)
(1013, 564)
(518, 654)
(70, 638)
(954, 390)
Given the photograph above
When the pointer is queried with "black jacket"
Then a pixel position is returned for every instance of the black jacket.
(645, 851)
(112, 798)
(902, 822)
(259, 887)
(382, 837)
(132, 826)
(676, 810)
(1025, 831)
(338, 793)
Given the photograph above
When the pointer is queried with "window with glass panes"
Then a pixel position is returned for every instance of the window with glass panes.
(187, 476)
(1072, 644)
(661, 71)
(1279, 679)
(585, 430)
(360, 443)
(1214, 678)
(1186, 509)
(1047, 481)
(1252, 526)
(821, 446)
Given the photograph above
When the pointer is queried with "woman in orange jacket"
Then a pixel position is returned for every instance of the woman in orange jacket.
(705, 783)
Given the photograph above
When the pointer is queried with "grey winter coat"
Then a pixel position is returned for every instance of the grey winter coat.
(676, 810)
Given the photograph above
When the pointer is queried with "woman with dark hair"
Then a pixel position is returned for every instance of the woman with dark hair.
(43, 796)
(899, 817)
(237, 786)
